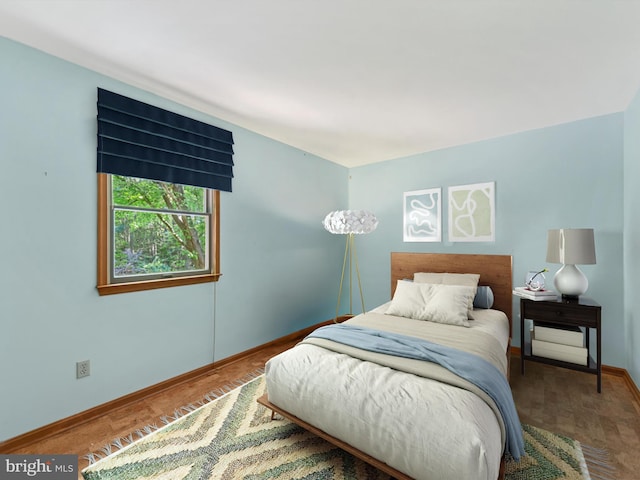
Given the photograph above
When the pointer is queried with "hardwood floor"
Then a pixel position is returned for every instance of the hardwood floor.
(556, 399)
(92, 436)
(566, 402)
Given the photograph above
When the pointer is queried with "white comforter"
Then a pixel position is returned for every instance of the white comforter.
(419, 426)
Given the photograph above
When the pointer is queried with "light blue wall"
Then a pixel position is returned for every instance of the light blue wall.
(568, 176)
(276, 277)
(632, 237)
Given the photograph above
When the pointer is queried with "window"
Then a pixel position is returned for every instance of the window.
(159, 181)
(154, 234)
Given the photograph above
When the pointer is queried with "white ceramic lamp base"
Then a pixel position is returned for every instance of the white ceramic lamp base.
(570, 281)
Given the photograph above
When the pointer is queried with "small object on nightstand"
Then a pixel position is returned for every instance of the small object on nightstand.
(525, 292)
(534, 281)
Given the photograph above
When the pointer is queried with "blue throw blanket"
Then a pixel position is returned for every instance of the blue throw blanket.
(466, 365)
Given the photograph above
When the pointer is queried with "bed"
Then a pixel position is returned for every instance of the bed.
(384, 408)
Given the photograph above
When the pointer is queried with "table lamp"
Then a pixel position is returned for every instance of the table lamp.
(571, 247)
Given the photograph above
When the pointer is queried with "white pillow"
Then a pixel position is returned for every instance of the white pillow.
(465, 279)
(450, 304)
(436, 303)
(410, 299)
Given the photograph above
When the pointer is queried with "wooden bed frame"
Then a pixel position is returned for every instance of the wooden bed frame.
(495, 271)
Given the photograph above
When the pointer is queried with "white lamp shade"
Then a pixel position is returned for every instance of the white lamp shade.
(571, 246)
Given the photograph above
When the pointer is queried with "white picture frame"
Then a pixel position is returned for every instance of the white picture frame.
(472, 212)
(422, 215)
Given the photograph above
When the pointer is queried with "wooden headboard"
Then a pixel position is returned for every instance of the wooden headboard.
(495, 271)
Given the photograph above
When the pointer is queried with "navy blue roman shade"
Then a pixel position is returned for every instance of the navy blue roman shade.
(139, 140)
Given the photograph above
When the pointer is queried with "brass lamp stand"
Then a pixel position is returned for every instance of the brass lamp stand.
(349, 251)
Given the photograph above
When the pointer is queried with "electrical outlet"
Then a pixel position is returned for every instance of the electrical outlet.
(83, 369)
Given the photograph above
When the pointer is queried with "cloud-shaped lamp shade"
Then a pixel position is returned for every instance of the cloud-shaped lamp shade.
(350, 223)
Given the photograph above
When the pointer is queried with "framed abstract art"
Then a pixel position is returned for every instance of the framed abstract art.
(472, 213)
(422, 220)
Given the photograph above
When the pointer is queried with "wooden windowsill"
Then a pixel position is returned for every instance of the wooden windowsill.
(114, 288)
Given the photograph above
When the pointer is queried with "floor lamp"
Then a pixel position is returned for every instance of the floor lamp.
(350, 223)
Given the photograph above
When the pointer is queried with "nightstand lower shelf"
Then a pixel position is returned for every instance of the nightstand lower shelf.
(592, 367)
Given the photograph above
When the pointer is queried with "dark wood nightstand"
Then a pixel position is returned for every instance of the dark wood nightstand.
(583, 312)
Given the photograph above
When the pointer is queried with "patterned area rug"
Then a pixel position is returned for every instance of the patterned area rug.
(234, 437)
(551, 456)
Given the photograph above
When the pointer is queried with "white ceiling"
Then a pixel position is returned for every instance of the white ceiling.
(356, 81)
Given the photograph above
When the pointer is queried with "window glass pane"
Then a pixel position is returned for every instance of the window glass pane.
(146, 243)
(136, 192)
